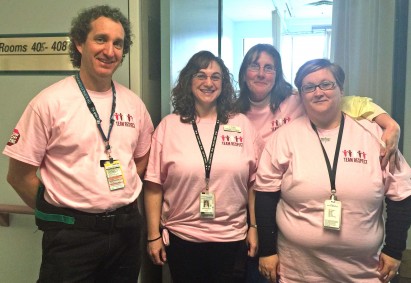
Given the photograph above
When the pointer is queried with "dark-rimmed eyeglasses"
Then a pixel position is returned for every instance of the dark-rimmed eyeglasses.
(325, 85)
(268, 69)
(202, 76)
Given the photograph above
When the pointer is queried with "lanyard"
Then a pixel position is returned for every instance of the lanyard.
(93, 111)
(207, 163)
(332, 171)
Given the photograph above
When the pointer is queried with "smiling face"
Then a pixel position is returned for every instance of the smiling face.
(101, 53)
(206, 88)
(260, 83)
(322, 106)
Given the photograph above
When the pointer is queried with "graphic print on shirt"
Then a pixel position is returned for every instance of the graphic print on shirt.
(124, 120)
(232, 140)
(355, 156)
(15, 136)
(275, 124)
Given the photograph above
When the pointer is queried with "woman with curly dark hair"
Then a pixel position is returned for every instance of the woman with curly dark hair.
(182, 97)
(202, 163)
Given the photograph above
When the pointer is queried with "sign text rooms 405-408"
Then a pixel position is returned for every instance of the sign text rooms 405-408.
(46, 53)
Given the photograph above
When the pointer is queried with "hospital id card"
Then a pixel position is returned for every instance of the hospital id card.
(332, 214)
(115, 176)
(207, 205)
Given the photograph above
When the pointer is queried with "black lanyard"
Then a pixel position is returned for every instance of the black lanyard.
(207, 163)
(93, 111)
(332, 171)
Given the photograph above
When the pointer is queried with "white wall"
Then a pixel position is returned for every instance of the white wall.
(187, 27)
(254, 29)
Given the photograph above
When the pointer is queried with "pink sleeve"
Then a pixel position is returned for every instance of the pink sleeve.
(398, 186)
(273, 163)
(146, 131)
(153, 172)
(31, 127)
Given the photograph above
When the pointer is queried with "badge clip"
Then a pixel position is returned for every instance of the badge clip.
(231, 128)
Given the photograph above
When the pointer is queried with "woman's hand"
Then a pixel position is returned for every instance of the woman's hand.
(157, 251)
(390, 137)
(268, 266)
(388, 268)
(252, 241)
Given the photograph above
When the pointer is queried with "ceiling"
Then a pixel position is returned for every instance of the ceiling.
(247, 10)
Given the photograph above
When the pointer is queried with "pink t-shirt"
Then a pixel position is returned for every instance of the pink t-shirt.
(58, 133)
(267, 122)
(177, 164)
(293, 162)
(291, 108)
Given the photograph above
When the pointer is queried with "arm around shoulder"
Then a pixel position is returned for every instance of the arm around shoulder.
(391, 137)
(363, 107)
(23, 178)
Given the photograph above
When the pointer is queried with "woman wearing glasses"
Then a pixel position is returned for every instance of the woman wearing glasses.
(270, 102)
(329, 217)
(202, 163)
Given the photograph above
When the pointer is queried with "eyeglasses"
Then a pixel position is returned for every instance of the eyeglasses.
(268, 69)
(325, 85)
(202, 76)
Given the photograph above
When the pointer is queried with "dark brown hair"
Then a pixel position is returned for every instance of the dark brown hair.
(182, 97)
(280, 91)
(81, 26)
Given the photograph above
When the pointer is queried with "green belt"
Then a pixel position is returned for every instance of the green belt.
(52, 217)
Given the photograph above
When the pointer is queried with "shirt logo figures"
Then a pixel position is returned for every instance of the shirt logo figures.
(355, 156)
(233, 140)
(124, 120)
(275, 124)
(15, 136)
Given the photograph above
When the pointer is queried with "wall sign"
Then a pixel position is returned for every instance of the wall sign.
(44, 52)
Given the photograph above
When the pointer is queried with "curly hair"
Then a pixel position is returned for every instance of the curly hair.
(182, 97)
(81, 26)
(314, 65)
(281, 90)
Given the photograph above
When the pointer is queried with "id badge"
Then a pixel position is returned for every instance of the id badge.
(332, 214)
(207, 205)
(115, 176)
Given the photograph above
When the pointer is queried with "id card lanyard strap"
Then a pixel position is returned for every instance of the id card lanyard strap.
(332, 171)
(207, 162)
(94, 112)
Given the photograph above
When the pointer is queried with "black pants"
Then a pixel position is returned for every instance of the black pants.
(210, 262)
(78, 255)
(246, 269)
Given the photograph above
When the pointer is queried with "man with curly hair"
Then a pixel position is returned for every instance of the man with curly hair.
(89, 137)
